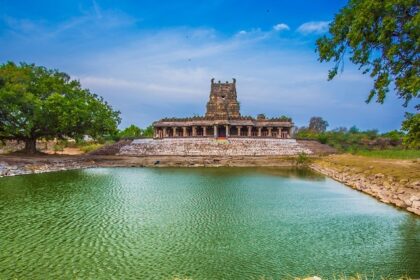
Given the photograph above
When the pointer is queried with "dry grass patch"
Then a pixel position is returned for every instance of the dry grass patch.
(397, 168)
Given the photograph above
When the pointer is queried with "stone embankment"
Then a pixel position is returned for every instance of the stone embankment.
(393, 188)
(12, 166)
(213, 147)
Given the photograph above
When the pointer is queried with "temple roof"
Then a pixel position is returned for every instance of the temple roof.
(223, 103)
(223, 108)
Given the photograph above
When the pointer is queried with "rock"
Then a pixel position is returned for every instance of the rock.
(414, 210)
(416, 204)
(401, 203)
(403, 181)
(387, 184)
(415, 183)
(379, 176)
(313, 278)
(414, 198)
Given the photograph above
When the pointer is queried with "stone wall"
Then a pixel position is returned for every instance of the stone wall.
(402, 193)
(213, 147)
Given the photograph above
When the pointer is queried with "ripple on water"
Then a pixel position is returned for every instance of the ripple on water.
(220, 223)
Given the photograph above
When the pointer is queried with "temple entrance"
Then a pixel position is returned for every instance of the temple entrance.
(221, 131)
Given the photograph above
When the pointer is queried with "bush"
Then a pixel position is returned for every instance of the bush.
(323, 138)
(354, 139)
(302, 160)
(59, 146)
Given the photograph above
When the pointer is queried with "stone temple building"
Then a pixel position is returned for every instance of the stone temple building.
(223, 119)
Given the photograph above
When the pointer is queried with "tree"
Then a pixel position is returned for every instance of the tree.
(317, 125)
(411, 125)
(261, 117)
(354, 130)
(36, 102)
(130, 132)
(382, 38)
(148, 132)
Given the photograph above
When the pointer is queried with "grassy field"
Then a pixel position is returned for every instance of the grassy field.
(390, 154)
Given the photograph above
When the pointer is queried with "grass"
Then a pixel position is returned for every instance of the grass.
(389, 154)
(90, 147)
(371, 165)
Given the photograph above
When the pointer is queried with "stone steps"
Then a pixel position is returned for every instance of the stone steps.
(212, 147)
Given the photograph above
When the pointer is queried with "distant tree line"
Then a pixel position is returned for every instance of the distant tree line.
(350, 139)
(133, 132)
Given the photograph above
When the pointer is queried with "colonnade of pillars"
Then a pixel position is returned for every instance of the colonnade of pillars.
(222, 131)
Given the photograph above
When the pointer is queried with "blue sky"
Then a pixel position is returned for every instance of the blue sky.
(155, 59)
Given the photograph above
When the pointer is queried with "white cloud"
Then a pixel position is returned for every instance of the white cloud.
(316, 27)
(281, 27)
(167, 72)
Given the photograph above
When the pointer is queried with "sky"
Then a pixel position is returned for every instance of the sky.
(155, 59)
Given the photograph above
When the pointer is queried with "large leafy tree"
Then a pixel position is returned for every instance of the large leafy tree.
(382, 38)
(36, 102)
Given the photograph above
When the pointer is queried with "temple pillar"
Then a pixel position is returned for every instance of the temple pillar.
(174, 131)
(269, 131)
(239, 130)
(204, 131)
(259, 131)
(215, 131)
(249, 131)
(165, 132)
(279, 134)
(194, 131)
(184, 131)
(227, 130)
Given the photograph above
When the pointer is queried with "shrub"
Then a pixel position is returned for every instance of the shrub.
(59, 146)
(323, 138)
(302, 160)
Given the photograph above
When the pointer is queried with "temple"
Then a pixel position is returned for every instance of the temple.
(223, 119)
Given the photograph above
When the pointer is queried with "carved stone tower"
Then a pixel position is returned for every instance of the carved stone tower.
(223, 103)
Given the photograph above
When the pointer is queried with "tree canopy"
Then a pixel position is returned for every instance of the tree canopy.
(411, 125)
(36, 102)
(148, 131)
(317, 124)
(130, 132)
(382, 38)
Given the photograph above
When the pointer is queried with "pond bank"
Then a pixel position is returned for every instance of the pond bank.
(395, 182)
(20, 165)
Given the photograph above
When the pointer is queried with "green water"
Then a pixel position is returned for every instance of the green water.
(214, 223)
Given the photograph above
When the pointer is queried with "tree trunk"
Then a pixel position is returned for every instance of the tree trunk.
(30, 146)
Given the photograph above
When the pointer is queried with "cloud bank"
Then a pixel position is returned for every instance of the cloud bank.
(149, 74)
